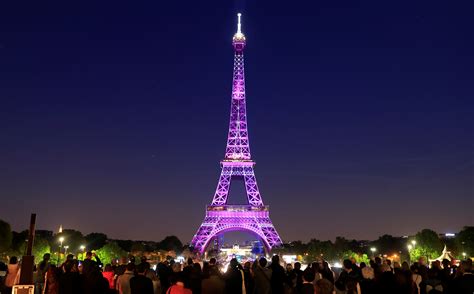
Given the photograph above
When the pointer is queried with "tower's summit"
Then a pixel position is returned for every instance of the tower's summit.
(239, 38)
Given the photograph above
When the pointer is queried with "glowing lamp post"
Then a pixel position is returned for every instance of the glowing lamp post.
(61, 240)
(464, 255)
(373, 249)
(65, 249)
(410, 247)
(83, 248)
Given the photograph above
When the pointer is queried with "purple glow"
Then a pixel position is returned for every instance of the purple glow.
(253, 217)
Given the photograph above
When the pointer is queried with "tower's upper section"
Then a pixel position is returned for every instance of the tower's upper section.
(238, 148)
(239, 38)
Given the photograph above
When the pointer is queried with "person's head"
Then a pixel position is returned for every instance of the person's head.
(368, 273)
(197, 267)
(88, 255)
(446, 263)
(130, 267)
(141, 269)
(405, 266)
(315, 266)
(108, 268)
(347, 263)
(421, 261)
(388, 262)
(143, 259)
(385, 268)
(325, 265)
(262, 262)
(324, 286)
(308, 275)
(13, 260)
(70, 257)
(190, 261)
(233, 263)
(414, 268)
(68, 266)
(378, 260)
(372, 263)
(289, 267)
(247, 265)
(275, 260)
(362, 265)
(176, 267)
(297, 266)
(123, 260)
(46, 257)
(212, 261)
(396, 265)
(213, 271)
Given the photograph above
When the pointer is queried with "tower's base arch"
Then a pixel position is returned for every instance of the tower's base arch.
(227, 218)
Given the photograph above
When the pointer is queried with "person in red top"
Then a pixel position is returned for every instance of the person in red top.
(109, 276)
(178, 286)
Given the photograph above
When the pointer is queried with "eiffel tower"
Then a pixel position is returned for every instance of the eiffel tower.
(254, 216)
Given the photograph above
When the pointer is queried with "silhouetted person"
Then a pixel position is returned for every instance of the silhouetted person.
(140, 284)
(278, 276)
(307, 287)
(214, 283)
(262, 277)
(234, 278)
(70, 282)
(89, 265)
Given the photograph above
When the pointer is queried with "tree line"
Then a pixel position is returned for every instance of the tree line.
(426, 243)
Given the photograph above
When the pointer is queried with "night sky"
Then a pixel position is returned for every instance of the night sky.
(114, 117)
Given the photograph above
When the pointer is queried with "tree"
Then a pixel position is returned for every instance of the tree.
(5, 236)
(95, 241)
(359, 257)
(40, 247)
(465, 242)
(171, 243)
(109, 252)
(428, 245)
(387, 244)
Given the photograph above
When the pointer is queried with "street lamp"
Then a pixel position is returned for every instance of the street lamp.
(413, 242)
(373, 249)
(65, 249)
(61, 240)
(83, 248)
(464, 255)
(410, 247)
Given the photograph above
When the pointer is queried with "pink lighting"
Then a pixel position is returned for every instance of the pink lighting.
(253, 217)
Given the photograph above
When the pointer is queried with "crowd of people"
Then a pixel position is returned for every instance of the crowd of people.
(90, 276)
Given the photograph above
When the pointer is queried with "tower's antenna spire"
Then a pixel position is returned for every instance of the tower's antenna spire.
(239, 25)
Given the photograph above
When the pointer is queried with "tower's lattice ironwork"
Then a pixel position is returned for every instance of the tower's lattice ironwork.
(254, 216)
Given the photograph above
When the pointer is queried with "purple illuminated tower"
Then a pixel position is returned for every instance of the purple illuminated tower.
(254, 216)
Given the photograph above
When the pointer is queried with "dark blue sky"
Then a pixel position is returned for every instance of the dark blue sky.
(114, 116)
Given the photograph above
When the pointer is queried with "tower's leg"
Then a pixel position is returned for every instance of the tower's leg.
(204, 234)
(222, 191)
(253, 195)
